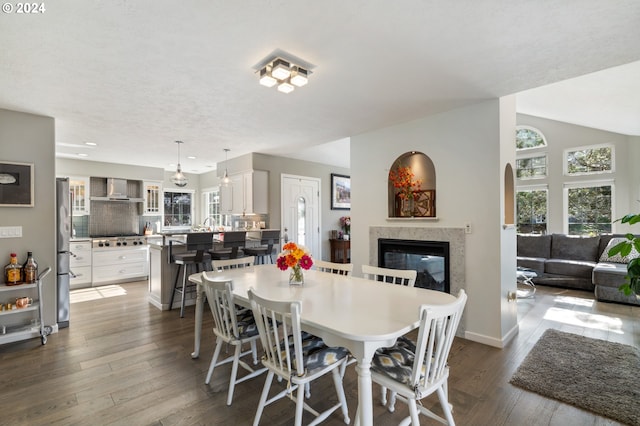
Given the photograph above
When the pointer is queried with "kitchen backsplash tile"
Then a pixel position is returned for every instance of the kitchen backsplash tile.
(114, 218)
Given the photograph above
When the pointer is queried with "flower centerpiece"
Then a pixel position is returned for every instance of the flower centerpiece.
(403, 180)
(345, 223)
(297, 258)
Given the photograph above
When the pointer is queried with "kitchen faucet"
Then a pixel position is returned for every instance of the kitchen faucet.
(204, 224)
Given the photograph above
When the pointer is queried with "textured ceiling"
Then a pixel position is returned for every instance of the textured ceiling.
(133, 77)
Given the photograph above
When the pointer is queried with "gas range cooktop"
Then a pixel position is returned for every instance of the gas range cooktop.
(121, 241)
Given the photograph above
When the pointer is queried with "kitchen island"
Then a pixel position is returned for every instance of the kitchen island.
(162, 273)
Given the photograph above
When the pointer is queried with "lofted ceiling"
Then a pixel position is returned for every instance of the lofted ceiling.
(133, 77)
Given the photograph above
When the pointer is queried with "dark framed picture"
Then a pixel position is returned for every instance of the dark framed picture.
(16, 184)
(340, 192)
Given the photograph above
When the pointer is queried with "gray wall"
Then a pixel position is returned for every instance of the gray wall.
(27, 138)
(561, 136)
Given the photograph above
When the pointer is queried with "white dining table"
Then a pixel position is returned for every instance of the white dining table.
(358, 314)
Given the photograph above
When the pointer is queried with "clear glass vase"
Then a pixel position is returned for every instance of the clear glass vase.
(296, 276)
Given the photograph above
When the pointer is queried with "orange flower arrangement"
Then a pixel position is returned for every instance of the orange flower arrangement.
(402, 179)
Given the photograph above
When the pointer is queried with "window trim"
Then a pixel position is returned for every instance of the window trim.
(565, 159)
(531, 188)
(544, 138)
(193, 208)
(587, 184)
(529, 155)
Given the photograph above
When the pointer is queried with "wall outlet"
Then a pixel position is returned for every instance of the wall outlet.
(467, 228)
(10, 231)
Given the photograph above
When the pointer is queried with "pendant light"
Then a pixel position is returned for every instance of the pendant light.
(225, 181)
(179, 179)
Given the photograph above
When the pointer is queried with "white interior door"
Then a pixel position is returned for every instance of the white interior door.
(301, 212)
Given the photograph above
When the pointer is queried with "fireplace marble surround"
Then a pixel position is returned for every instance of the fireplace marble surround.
(455, 237)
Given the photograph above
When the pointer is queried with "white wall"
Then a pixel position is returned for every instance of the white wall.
(464, 145)
(27, 138)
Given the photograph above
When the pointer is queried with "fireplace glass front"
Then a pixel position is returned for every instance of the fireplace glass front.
(429, 258)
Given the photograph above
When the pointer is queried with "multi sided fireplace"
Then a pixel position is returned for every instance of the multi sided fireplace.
(429, 258)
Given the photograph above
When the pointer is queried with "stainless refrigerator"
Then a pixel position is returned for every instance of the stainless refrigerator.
(63, 235)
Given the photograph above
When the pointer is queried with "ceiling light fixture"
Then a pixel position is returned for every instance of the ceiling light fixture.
(225, 181)
(299, 76)
(285, 74)
(178, 178)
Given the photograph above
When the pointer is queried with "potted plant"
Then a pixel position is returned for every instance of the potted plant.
(632, 284)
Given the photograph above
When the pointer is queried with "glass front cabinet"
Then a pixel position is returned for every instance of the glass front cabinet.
(152, 198)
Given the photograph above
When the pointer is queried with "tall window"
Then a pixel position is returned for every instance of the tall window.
(529, 137)
(531, 167)
(211, 206)
(532, 211)
(589, 160)
(589, 208)
(178, 208)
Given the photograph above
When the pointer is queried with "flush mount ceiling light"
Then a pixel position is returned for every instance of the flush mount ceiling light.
(178, 178)
(283, 73)
(225, 181)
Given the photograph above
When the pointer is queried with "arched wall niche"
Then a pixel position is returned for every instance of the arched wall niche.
(423, 203)
(509, 196)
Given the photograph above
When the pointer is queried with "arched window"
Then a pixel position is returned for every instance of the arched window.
(412, 186)
(529, 137)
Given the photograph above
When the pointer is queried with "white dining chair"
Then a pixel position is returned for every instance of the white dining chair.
(230, 328)
(295, 357)
(333, 268)
(414, 370)
(396, 276)
(240, 262)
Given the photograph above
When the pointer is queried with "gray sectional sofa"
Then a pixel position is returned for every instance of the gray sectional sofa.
(576, 262)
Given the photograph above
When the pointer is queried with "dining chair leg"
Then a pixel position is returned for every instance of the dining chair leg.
(299, 405)
(392, 402)
(254, 352)
(413, 412)
(234, 373)
(263, 397)
(383, 396)
(446, 407)
(214, 360)
(337, 382)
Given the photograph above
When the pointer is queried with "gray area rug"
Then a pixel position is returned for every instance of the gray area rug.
(596, 375)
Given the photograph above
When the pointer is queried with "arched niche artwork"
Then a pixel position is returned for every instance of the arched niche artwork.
(509, 196)
(411, 188)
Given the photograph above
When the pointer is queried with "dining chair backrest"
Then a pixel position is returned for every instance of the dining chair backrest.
(280, 334)
(395, 276)
(438, 325)
(333, 268)
(219, 294)
(241, 262)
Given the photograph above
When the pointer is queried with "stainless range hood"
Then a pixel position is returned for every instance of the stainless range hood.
(117, 191)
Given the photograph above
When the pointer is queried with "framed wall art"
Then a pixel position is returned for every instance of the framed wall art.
(16, 184)
(340, 192)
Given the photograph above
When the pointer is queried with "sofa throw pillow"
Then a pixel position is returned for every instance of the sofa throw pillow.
(618, 258)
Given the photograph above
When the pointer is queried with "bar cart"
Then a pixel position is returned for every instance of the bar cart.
(20, 323)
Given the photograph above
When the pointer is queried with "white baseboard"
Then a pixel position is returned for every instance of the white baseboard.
(492, 341)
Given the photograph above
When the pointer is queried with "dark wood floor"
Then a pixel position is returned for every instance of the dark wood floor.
(125, 362)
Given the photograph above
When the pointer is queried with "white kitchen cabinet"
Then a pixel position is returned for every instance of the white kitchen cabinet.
(152, 192)
(119, 265)
(80, 264)
(79, 188)
(248, 193)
